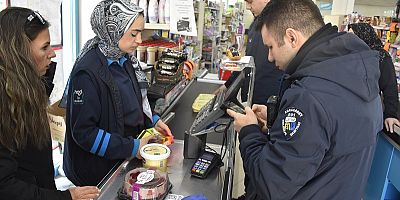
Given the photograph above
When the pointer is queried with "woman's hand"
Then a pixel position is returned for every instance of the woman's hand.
(84, 193)
(163, 128)
(390, 122)
(143, 142)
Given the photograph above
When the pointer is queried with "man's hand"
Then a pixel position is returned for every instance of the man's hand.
(242, 120)
(163, 128)
(260, 111)
(390, 122)
(84, 193)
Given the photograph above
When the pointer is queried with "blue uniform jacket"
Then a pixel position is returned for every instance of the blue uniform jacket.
(95, 138)
(322, 143)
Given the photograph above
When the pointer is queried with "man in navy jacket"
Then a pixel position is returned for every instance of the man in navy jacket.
(322, 142)
(267, 75)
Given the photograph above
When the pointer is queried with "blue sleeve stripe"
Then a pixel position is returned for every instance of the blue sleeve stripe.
(155, 119)
(103, 147)
(136, 144)
(97, 141)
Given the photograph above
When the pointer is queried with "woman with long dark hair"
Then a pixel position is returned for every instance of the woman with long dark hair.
(26, 166)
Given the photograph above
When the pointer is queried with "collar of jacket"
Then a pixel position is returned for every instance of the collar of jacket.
(326, 33)
(120, 61)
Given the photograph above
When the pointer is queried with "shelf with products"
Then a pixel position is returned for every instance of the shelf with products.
(385, 28)
(390, 38)
(212, 15)
(395, 46)
(188, 44)
(212, 8)
(150, 26)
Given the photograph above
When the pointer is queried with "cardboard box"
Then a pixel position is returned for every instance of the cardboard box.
(57, 122)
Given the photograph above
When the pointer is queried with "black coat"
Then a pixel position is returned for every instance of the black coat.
(28, 174)
(388, 87)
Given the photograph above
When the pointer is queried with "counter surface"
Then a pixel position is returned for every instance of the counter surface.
(393, 138)
(179, 175)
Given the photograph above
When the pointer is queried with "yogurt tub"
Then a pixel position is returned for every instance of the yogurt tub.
(155, 156)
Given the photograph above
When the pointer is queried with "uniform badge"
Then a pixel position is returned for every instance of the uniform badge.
(292, 122)
(78, 97)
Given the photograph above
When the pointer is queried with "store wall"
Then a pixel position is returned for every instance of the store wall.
(374, 10)
(85, 11)
(364, 10)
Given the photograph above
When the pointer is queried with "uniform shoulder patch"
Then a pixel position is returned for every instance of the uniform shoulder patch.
(78, 97)
(292, 122)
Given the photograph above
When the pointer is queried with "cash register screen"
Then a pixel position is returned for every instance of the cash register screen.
(216, 108)
(233, 90)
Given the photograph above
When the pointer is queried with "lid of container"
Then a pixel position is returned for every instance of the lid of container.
(155, 151)
(141, 47)
(152, 48)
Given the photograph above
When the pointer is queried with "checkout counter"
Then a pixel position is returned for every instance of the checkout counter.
(384, 179)
(179, 116)
(217, 185)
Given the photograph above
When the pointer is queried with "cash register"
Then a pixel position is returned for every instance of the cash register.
(205, 121)
(216, 108)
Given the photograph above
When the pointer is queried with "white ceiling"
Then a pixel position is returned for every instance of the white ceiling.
(385, 3)
(388, 3)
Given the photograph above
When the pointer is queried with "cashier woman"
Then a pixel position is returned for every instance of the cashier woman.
(107, 105)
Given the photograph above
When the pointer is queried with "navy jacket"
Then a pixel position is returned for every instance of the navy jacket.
(98, 136)
(29, 174)
(267, 75)
(322, 143)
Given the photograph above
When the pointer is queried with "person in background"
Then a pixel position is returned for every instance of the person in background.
(321, 144)
(267, 75)
(26, 165)
(387, 79)
(107, 105)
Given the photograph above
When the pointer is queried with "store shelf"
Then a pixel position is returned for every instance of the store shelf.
(381, 28)
(196, 58)
(212, 8)
(395, 46)
(156, 26)
(396, 66)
